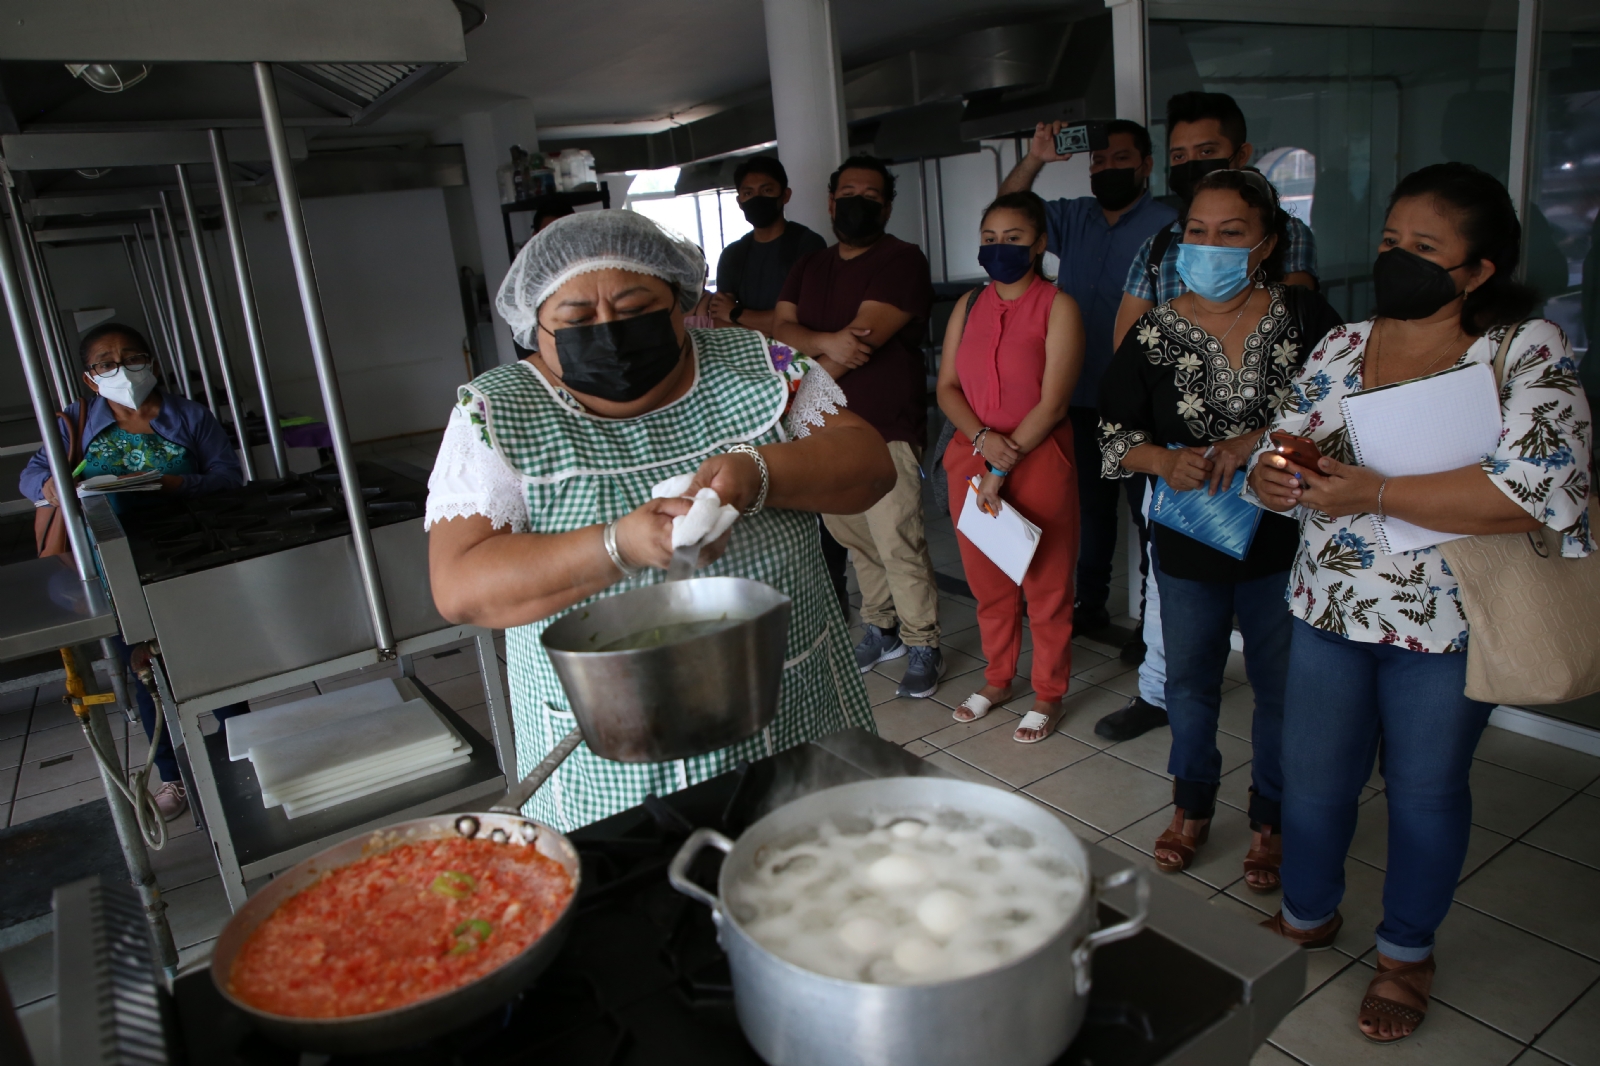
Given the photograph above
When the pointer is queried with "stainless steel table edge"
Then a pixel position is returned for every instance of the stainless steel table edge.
(46, 624)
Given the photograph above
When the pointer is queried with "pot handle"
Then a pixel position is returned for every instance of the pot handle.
(678, 871)
(1112, 933)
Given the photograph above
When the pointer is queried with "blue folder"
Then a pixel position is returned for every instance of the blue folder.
(1226, 521)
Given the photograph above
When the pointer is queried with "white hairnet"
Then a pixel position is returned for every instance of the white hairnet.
(594, 240)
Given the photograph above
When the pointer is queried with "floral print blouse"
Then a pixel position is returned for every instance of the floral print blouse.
(1340, 582)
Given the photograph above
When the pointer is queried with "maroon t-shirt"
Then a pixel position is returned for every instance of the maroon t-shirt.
(890, 391)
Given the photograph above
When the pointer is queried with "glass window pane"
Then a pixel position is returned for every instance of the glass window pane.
(1338, 114)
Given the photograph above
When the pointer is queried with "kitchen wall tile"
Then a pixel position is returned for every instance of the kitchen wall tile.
(1505, 977)
(1510, 802)
(1107, 793)
(1575, 1036)
(1545, 894)
(1573, 830)
(1538, 758)
(1322, 1030)
(1219, 862)
(996, 753)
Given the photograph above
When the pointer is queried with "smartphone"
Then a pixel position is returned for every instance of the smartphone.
(1302, 451)
(1082, 137)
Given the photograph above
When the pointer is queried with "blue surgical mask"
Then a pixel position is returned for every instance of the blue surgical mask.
(1006, 263)
(1213, 271)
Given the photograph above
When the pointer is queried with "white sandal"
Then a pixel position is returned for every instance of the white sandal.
(974, 703)
(1035, 720)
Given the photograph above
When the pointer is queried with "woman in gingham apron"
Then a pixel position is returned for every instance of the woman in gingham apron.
(540, 500)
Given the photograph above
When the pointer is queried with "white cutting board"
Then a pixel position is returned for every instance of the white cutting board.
(287, 719)
(296, 810)
(332, 747)
(357, 773)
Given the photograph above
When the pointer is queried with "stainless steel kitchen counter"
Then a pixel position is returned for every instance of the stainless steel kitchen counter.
(47, 607)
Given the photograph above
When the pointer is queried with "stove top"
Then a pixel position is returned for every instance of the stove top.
(642, 981)
(174, 535)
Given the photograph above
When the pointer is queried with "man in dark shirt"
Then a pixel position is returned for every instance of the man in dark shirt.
(752, 270)
(860, 309)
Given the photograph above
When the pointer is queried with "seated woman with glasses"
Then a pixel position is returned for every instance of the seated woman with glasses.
(130, 426)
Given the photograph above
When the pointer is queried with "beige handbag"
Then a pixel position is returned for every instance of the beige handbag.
(1533, 617)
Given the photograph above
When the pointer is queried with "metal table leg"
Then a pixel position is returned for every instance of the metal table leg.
(499, 705)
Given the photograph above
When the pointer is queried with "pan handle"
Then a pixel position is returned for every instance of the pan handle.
(1112, 933)
(511, 802)
(678, 872)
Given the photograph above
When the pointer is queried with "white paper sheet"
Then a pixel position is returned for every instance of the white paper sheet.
(1427, 426)
(1008, 539)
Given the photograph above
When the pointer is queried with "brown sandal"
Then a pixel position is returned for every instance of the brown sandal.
(1175, 840)
(1264, 860)
(1319, 939)
(1399, 994)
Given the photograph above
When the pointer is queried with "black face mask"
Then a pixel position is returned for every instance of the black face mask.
(857, 220)
(1408, 286)
(1183, 177)
(619, 361)
(761, 211)
(1115, 187)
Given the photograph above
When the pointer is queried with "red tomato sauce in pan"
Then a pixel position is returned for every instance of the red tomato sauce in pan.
(399, 927)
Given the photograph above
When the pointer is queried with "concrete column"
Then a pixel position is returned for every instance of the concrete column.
(1128, 58)
(486, 140)
(807, 103)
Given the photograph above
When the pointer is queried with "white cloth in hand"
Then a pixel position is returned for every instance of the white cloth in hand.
(707, 520)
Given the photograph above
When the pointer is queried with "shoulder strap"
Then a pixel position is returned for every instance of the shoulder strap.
(1500, 354)
(1158, 251)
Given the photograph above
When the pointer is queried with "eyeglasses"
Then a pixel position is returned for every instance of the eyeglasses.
(130, 360)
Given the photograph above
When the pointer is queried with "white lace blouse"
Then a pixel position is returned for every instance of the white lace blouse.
(470, 478)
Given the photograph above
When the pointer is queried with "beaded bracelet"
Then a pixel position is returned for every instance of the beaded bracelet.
(977, 442)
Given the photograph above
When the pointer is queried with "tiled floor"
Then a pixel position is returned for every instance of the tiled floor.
(1519, 954)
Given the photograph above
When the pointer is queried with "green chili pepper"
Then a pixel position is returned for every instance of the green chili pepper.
(470, 935)
(454, 884)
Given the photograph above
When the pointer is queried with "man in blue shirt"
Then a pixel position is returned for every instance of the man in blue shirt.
(1096, 238)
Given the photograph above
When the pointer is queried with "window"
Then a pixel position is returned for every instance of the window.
(1293, 171)
(711, 219)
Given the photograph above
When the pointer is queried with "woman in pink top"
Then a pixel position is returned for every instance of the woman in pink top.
(1011, 359)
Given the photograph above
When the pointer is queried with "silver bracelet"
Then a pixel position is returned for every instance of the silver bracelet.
(761, 463)
(1381, 486)
(610, 539)
(977, 442)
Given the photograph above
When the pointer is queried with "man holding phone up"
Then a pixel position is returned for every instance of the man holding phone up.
(1096, 238)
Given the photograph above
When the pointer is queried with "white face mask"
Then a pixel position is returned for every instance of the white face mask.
(128, 387)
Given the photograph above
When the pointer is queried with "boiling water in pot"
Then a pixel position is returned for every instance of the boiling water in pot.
(906, 898)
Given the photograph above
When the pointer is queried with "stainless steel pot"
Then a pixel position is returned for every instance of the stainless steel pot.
(1023, 1013)
(680, 699)
(383, 1030)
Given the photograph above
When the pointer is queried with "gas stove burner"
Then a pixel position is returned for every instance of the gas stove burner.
(395, 508)
(316, 514)
(287, 497)
(368, 491)
(263, 536)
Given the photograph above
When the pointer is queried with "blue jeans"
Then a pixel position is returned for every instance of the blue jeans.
(1354, 695)
(1196, 620)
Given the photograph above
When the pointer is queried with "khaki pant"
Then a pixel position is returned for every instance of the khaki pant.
(890, 551)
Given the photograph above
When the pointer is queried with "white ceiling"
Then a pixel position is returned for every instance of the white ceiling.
(630, 60)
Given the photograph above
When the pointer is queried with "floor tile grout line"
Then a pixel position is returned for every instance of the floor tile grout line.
(16, 782)
(1553, 1021)
(1523, 929)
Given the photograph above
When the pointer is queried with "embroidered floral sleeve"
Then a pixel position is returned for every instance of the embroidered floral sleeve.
(1115, 444)
(813, 394)
(1547, 436)
(470, 478)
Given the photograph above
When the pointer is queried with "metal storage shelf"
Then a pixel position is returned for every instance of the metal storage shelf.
(48, 607)
(265, 841)
(601, 196)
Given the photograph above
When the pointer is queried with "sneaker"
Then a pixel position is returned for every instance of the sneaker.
(922, 673)
(878, 646)
(171, 800)
(1087, 619)
(1135, 719)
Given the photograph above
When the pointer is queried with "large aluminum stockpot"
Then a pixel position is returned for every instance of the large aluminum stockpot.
(419, 1021)
(1023, 1013)
(680, 699)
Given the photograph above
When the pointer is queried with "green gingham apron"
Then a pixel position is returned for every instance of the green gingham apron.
(580, 469)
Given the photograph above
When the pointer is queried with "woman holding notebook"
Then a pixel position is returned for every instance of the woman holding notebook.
(1186, 397)
(1012, 354)
(1377, 651)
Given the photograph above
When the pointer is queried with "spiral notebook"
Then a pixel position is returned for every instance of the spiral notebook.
(1441, 422)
